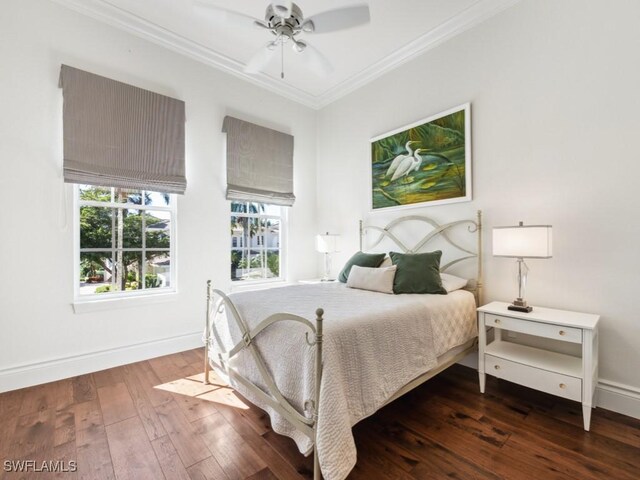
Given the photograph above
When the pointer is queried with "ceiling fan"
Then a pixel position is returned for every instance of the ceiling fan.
(285, 21)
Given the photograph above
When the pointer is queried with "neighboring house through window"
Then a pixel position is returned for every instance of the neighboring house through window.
(256, 247)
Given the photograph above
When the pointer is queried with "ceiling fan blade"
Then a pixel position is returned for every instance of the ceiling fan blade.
(223, 15)
(260, 60)
(338, 19)
(316, 61)
(282, 8)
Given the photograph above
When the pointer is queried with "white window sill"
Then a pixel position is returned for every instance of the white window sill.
(257, 285)
(88, 306)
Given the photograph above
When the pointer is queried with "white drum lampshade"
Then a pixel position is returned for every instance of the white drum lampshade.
(327, 243)
(522, 241)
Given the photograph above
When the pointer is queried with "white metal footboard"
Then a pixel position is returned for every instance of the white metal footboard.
(273, 397)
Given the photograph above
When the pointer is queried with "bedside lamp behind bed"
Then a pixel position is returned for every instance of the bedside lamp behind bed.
(327, 244)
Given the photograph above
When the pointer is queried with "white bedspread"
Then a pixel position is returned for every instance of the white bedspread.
(374, 344)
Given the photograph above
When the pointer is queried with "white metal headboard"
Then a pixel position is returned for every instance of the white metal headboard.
(473, 226)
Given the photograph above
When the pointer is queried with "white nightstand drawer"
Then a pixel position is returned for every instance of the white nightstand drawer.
(543, 380)
(566, 334)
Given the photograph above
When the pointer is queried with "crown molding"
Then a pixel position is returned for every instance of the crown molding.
(105, 12)
(110, 14)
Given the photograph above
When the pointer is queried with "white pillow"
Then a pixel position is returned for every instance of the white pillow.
(375, 279)
(451, 282)
(386, 262)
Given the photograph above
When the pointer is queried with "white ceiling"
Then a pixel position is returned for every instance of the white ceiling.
(399, 30)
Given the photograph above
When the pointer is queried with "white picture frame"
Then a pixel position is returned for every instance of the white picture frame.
(435, 170)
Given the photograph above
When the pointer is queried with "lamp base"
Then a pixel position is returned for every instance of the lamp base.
(520, 305)
(516, 308)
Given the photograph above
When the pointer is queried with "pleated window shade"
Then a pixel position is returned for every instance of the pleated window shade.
(259, 163)
(118, 135)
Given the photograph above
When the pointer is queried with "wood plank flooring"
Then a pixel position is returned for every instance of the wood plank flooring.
(155, 420)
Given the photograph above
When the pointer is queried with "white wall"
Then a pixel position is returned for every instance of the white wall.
(555, 102)
(37, 323)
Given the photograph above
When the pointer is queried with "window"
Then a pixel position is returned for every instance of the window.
(125, 242)
(257, 252)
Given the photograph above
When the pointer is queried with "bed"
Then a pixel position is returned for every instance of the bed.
(316, 379)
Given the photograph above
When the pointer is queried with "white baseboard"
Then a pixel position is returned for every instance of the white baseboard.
(618, 397)
(470, 361)
(613, 396)
(48, 371)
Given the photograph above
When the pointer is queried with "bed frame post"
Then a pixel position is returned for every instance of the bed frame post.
(317, 475)
(479, 285)
(207, 330)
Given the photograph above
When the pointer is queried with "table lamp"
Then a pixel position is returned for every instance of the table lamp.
(327, 244)
(520, 242)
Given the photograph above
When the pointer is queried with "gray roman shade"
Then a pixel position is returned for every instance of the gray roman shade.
(259, 163)
(118, 135)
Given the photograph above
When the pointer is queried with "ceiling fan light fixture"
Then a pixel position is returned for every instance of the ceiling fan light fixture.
(285, 21)
(299, 46)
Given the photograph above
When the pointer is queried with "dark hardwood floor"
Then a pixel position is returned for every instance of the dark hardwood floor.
(155, 420)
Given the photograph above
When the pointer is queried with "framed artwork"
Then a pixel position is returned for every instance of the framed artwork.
(423, 164)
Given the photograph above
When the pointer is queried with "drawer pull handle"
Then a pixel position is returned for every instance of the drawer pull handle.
(497, 320)
(562, 385)
(497, 367)
(561, 332)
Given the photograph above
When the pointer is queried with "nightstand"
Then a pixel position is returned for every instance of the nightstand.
(567, 376)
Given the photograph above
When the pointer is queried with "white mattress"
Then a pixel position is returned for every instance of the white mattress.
(374, 344)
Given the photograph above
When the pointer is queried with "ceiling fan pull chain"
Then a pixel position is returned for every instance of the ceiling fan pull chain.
(282, 60)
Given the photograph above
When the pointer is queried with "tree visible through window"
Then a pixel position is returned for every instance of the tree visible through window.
(255, 241)
(125, 239)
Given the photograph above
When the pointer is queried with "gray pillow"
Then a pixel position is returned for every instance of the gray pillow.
(371, 260)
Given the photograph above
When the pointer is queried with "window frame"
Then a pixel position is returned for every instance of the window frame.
(129, 294)
(282, 248)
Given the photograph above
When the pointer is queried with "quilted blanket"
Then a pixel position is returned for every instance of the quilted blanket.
(374, 344)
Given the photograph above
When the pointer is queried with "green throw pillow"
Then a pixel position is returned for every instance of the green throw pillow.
(371, 260)
(417, 272)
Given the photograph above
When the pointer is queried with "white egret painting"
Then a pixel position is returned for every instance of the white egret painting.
(425, 163)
